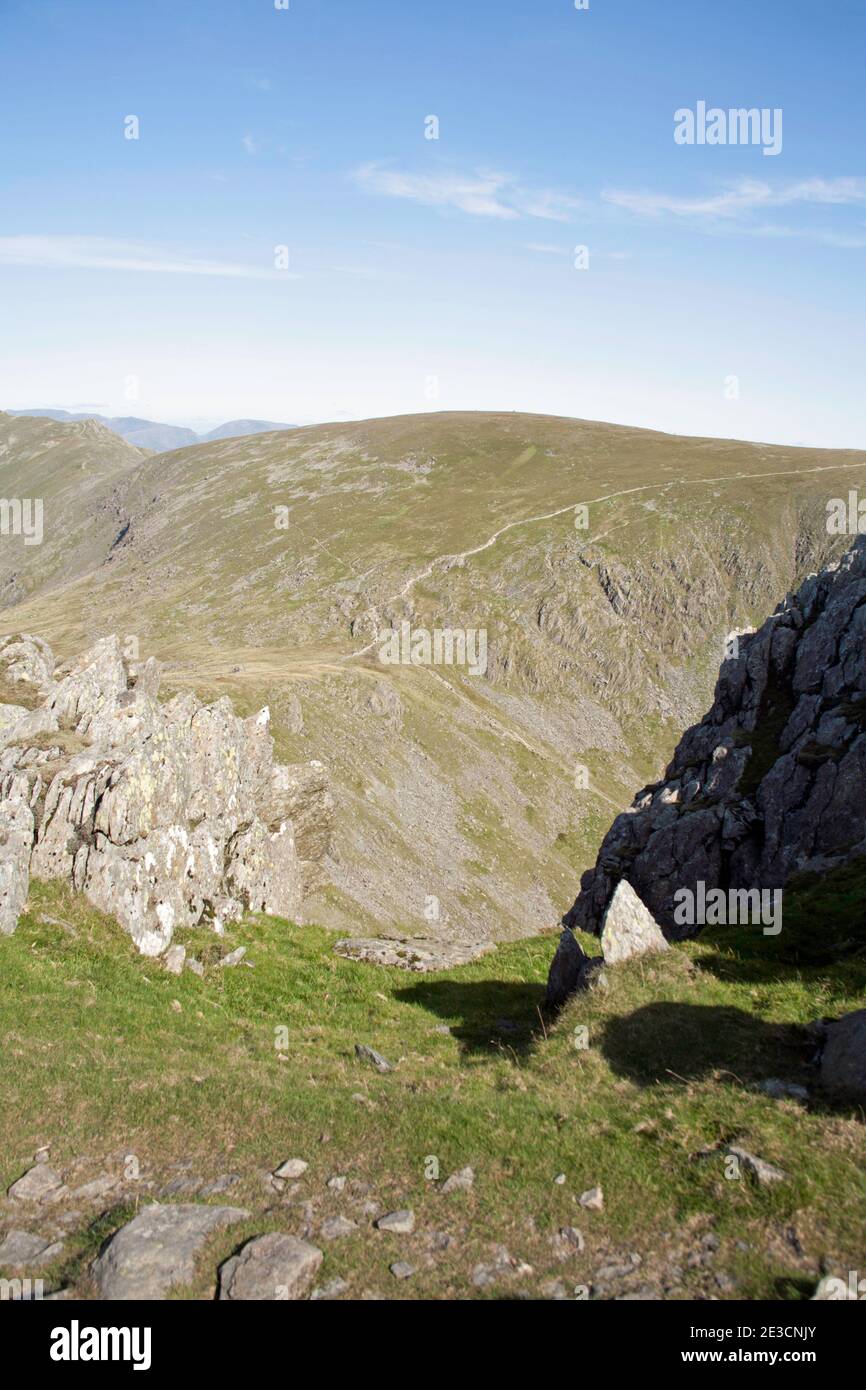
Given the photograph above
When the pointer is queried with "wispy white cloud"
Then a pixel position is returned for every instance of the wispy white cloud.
(103, 253)
(486, 193)
(741, 199)
(478, 195)
(544, 248)
(250, 145)
(547, 203)
(847, 241)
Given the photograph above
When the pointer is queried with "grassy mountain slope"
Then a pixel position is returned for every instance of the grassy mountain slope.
(144, 434)
(82, 473)
(264, 568)
(637, 1089)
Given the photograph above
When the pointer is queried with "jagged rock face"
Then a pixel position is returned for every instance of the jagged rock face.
(163, 815)
(773, 779)
(27, 661)
(16, 837)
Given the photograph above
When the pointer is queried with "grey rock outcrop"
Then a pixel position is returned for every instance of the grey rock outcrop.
(16, 838)
(26, 661)
(773, 779)
(157, 1250)
(39, 1184)
(20, 1249)
(412, 953)
(270, 1267)
(571, 970)
(165, 815)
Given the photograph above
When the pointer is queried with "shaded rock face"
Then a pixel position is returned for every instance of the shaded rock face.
(773, 779)
(163, 815)
(571, 970)
(843, 1060)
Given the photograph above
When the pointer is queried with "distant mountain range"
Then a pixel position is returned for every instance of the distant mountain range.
(159, 438)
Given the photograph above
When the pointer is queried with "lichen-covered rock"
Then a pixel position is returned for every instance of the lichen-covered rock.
(269, 1267)
(26, 661)
(85, 698)
(10, 715)
(156, 1251)
(163, 815)
(412, 953)
(16, 837)
(773, 779)
(300, 793)
(628, 929)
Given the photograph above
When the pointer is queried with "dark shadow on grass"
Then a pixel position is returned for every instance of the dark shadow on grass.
(793, 1288)
(486, 1016)
(848, 976)
(665, 1042)
(745, 956)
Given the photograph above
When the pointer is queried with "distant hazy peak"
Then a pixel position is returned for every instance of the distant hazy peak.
(154, 435)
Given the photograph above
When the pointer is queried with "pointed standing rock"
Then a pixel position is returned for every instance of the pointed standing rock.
(629, 929)
(565, 970)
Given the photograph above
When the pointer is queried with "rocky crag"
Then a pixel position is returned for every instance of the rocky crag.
(164, 815)
(770, 783)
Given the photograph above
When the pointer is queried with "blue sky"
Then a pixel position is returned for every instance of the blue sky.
(725, 288)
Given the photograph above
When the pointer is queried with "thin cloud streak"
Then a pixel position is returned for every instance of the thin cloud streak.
(486, 193)
(742, 198)
(103, 253)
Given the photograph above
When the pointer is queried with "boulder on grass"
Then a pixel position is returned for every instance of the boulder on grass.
(843, 1061)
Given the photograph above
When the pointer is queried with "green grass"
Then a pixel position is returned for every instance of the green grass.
(837, 901)
(97, 1061)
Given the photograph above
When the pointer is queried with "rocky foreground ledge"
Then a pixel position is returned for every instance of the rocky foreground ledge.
(164, 815)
